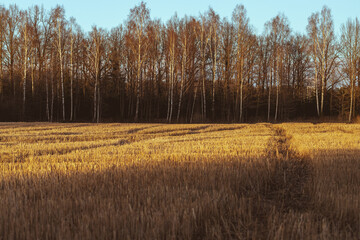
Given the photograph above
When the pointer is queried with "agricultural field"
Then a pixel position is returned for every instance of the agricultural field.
(201, 181)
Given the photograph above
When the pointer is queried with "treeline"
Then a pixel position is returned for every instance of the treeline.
(193, 69)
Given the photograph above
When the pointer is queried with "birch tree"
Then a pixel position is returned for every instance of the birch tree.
(138, 21)
(202, 34)
(43, 47)
(184, 38)
(321, 32)
(172, 42)
(227, 44)
(242, 31)
(59, 42)
(350, 50)
(24, 33)
(12, 25)
(213, 47)
(3, 16)
(72, 25)
(278, 31)
(312, 29)
(96, 52)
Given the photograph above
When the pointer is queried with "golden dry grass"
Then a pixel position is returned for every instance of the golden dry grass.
(155, 181)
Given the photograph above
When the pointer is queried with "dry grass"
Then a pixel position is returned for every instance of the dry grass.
(153, 181)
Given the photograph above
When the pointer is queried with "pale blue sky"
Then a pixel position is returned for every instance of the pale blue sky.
(110, 13)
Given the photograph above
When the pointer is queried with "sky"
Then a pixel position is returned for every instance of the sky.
(110, 13)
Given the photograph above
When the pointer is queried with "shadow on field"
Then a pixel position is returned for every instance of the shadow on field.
(165, 200)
